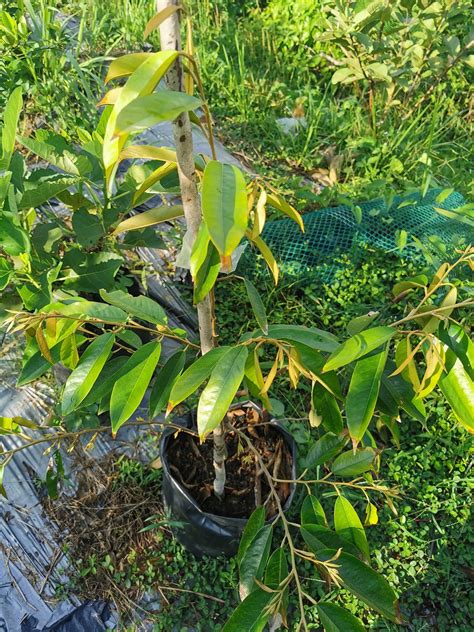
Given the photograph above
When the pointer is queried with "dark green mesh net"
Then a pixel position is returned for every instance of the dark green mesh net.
(333, 234)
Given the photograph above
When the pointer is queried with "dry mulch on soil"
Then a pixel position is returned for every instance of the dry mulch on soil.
(246, 486)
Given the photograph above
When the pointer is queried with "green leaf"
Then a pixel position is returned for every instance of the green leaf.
(415, 282)
(130, 388)
(207, 274)
(220, 391)
(10, 121)
(363, 393)
(325, 449)
(318, 538)
(349, 526)
(45, 189)
(147, 111)
(356, 325)
(141, 82)
(111, 372)
(365, 583)
(250, 614)
(81, 380)
(191, 379)
(149, 218)
(89, 310)
(200, 249)
(125, 65)
(275, 573)
(6, 272)
(224, 205)
(257, 306)
(402, 393)
(354, 463)
(326, 405)
(253, 526)
(164, 382)
(458, 388)
(254, 561)
(337, 619)
(140, 306)
(316, 339)
(55, 151)
(88, 227)
(359, 345)
(277, 569)
(93, 272)
(13, 239)
(312, 512)
(460, 344)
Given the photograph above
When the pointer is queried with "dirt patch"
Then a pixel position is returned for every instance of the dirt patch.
(191, 464)
(101, 526)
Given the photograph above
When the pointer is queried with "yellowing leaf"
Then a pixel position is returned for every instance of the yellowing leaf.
(267, 255)
(159, 18)
(149, 218)
(125, 65)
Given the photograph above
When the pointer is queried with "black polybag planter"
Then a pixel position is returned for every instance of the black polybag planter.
(204, 533)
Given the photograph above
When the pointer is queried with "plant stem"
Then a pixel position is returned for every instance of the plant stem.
(170, 39)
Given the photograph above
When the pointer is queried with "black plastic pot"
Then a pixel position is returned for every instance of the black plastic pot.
(204, 533)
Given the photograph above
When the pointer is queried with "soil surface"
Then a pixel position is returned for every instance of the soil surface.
(191, 464)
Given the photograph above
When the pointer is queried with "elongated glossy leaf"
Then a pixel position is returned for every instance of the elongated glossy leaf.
(312, 512)
(191, 379)
(257, 306)
(253, 526)
(125, 65)
(164, 382)
(277, 569)
(200, 249)
(144, 112)
(140, 306)
(159, 18)
(141, 82)
(358, 324)
(149, 152)
(283, 206)
(149, 218)
(89, 310)
(219, 392)
(254, 561)
(111, 372)
(456, 338)
(458, 388)
(358, 346)
(313, 338)
(224, 205)
(318, 537)
(82, 379)
(402, 393)
(267, 255)
(337, 619)
(130, 388)
(10, 121)
(250, 614)
(349, 526)
(254, 378)
(44, 191)
(207, 274)
(326, 406)
(353, 464)
(363, 393)
(365, 583)
(325, 449)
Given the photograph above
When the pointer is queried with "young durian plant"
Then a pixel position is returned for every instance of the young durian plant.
(360, 381)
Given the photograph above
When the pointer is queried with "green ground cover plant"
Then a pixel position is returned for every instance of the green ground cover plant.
(339, 361)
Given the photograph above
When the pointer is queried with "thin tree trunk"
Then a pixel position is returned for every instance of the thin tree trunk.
(171, 40)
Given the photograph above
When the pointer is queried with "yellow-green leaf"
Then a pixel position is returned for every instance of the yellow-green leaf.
(149, 218)
(224, 205)
(125, 65)
(220, 391)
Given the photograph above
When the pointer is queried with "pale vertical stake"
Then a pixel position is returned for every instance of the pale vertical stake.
(170, 39)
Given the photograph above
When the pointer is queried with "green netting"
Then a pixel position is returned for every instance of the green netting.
(333, 234)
